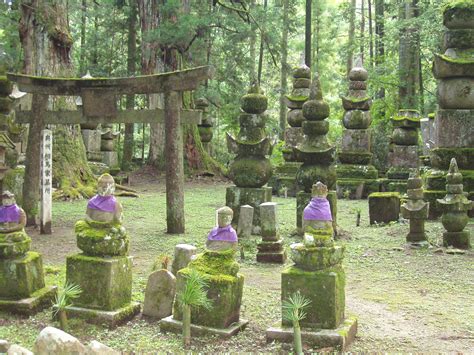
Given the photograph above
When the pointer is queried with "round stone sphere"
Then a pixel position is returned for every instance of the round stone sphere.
(356, 119)
(250, 171)
(295, 117)
(14, 244)
(454, 221)
(254, 103)
(101, 239)
(307, 175)
(315, 110)
(358, 74)
(404, 136)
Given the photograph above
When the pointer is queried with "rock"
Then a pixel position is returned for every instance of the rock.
(18, 350)
(455, 251)
(95, 347)
(244, 227)
(4, 345)
(54, 341)
(159, 294)
(438, 251)
(384, 207)
(182, 256)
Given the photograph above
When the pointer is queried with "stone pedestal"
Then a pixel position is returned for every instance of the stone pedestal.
(384, 207)
(285, 180)
(270, 249)
(416, 210)
(106, 284)
(22, 287)
(252, 196)
(356, 181)
(302, 200)
(225, 293)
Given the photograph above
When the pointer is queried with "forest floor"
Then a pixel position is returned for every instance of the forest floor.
(406, 300)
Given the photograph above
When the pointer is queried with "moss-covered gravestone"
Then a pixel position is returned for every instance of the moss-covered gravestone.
(205, 128)
(22, 286)
(455, 206)
(251, 169)
(403, 157)
(318, 275)
(356, 177)
(416, 210)
(454, 122)
(103, 270)
(316, 153)
(270, 249)
(219, 268)
(286, 172)
(384, 207)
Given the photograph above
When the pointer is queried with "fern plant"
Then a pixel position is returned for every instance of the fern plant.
(64, 299)
(193, 295)
(294, 311)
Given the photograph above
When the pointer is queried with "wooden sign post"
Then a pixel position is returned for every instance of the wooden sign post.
(46, 202)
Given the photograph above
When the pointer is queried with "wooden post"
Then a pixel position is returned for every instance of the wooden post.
(32, 166)
(174, 164)
(46, 181)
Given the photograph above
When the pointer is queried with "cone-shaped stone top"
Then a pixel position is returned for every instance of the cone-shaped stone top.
(316, 93)
(315, 109)
(302, 72)
(454, 176)
(358, 72)
(414, 181)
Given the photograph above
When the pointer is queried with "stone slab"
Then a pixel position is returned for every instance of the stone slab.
(244, 226)
(356, 140)
(356, 189)
(404, 156)
(110, 159)
(91, 138)
(454, 128)
(384, 207)
(339, 338)
(272, 257)
(169, 324)
(109, 318)
(40, 300)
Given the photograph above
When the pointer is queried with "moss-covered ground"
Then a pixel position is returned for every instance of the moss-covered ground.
(407, 300)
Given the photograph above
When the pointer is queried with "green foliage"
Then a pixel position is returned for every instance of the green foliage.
(194, 293)
(65, 296)
(294, 307)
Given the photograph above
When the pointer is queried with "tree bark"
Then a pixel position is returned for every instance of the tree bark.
(307, 34)
(262, 40)
(362, 29)
(371, 32)
(128, 144)
(252, 51)
(379, 43)
(174, 164)
(82, 58)
(46, 41)
(351, 39)
(284, 67)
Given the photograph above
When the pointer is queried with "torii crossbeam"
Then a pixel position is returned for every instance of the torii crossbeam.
(99, 98)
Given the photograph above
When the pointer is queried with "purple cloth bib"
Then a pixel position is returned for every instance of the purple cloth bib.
(102, 203)
(225, 234)
(9, 213)
(318, 209)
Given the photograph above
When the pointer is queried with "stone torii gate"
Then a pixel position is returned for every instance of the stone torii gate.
(99, 98)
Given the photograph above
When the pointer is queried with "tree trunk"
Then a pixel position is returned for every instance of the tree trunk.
(362, 29)
(128, 144)
(371, 33)
(252, 51)
(379, 43)
(317, 28)
(284, 67)
(351, 40)
(262, 40)
(297, 344)
(62, 319)
(307, 34)
(83, 37)
(46, 41)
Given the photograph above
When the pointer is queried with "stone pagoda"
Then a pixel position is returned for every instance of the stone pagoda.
(205, 128)
(108, 146)
(455, 206)
(317, 155)
(403, 156)
(104, 269)
(218, 267)
(286, 173)
(318, 275)
(355, 175)
(416, 210)
(22, 286)
(251, 169)
(454, 69)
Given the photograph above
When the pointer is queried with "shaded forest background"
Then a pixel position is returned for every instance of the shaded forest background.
(246, 41)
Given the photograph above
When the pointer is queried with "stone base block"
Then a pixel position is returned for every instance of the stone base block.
(356, 140)
(441, 157)
(338, 338)
(225, 293)
(106, 282)
(404, 156)
(169, 324)
(413, 237)
(303, 198)
(356, 189)
(109, 318)
(324, 288)
(91, 138)
(110, 159)
(459, 240)
(21, 277)
(94, 156)
(384, 207)
(454, 128)
(272, 257)
(399, 186)
(38, 301)
(253, 196)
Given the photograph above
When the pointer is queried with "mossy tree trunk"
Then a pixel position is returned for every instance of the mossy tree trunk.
(284, 66)
(47, 43)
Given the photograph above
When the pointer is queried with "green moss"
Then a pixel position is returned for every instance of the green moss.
(432, 115)
(99, 238)
(14, 244)
(384, 194)
(457, 4)
(216, 263)
(352, 171)
(457, 60)
(356, 100)
(297, 98)
(250, 171)
(254, 103)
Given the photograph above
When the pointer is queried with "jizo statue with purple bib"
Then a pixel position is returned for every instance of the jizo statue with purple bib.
(12, 217)
(317, 214)
(104, 207)
(222, 237)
